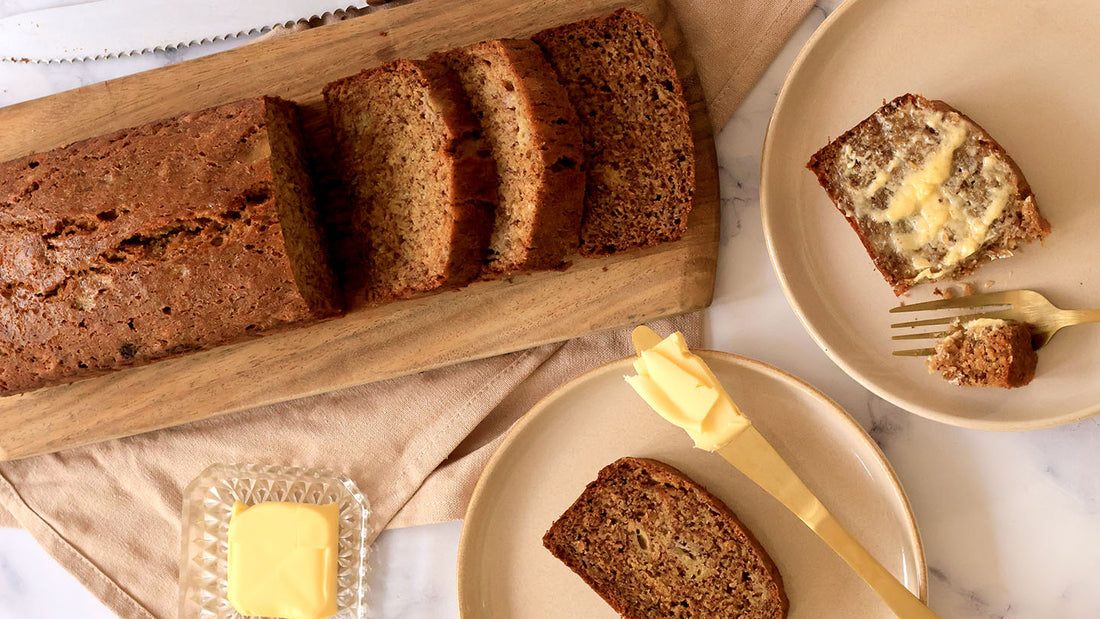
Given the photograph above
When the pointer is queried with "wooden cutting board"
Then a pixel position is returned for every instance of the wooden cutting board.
(369, 344)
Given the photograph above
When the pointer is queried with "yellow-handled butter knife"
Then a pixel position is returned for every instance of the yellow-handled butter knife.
(683, 390)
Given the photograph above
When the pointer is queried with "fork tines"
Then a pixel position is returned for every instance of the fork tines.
(991, 299)
(944, 320)
(1005, 297)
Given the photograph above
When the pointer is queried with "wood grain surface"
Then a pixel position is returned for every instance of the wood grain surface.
(369, 344)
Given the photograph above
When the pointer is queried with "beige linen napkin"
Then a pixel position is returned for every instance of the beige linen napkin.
(110, 513)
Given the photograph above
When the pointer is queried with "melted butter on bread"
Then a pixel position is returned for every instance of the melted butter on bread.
(922, 207)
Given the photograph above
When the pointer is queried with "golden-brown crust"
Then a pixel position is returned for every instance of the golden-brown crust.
(141, 245)
(559, 540)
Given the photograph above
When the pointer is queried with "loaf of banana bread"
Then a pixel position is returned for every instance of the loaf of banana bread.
(169, 237)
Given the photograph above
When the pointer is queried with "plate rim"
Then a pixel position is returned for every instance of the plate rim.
(847, 421)
(906, 404)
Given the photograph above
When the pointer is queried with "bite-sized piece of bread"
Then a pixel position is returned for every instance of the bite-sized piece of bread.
(166, 238)
(638, 148)
(654, 544)
(929, 192)
(535, 139)
(986, 353)
(420, 175)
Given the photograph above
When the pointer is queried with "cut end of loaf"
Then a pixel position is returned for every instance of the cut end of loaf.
(654, 544)
(299, 221)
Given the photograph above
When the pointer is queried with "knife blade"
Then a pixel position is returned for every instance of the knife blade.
(752, 454)
(112, 28)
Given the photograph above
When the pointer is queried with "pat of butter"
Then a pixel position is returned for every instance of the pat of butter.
(282, 560)
(683, 390)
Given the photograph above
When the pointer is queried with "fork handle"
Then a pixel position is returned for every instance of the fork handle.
(1080, 317)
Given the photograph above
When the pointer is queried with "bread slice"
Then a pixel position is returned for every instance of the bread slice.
(292, 188)
(421, 179)
(154, 241)
(653, 544)
(638, 148)
(533, 133)
(986, 353)
(929, 192)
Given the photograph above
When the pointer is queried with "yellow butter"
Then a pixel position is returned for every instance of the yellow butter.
(682, 389)
(921, 209)
(983, 323)
(282, 560)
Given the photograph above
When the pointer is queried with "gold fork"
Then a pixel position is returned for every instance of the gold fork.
(1023, 306)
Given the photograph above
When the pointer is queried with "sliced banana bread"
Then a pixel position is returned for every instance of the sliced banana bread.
(986, 353)
(654, 544)
(153, 241)
(929, 192)
(638, 148)
(533, 132)
(420, 175)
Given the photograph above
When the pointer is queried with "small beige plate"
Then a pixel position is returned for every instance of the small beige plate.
(560, 445)
(1026, 70)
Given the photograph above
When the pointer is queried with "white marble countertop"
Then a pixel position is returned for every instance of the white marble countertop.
(1010, 522)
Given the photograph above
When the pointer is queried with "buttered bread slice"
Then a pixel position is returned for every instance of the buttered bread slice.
(930, 194)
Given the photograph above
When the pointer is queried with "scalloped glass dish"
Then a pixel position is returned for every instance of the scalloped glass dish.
(207, 504)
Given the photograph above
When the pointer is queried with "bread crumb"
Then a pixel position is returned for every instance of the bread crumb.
(989, 283)
(967, 288)
(997, 355)
(947, 293)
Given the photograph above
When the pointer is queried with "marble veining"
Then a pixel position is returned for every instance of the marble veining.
(1010, 521)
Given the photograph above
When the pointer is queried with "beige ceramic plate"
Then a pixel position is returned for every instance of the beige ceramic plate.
(560, 445)
(1026, 70)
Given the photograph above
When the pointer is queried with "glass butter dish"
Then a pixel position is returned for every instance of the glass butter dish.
(208, 503)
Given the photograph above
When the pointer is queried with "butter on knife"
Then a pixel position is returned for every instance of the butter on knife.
(682, 389)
